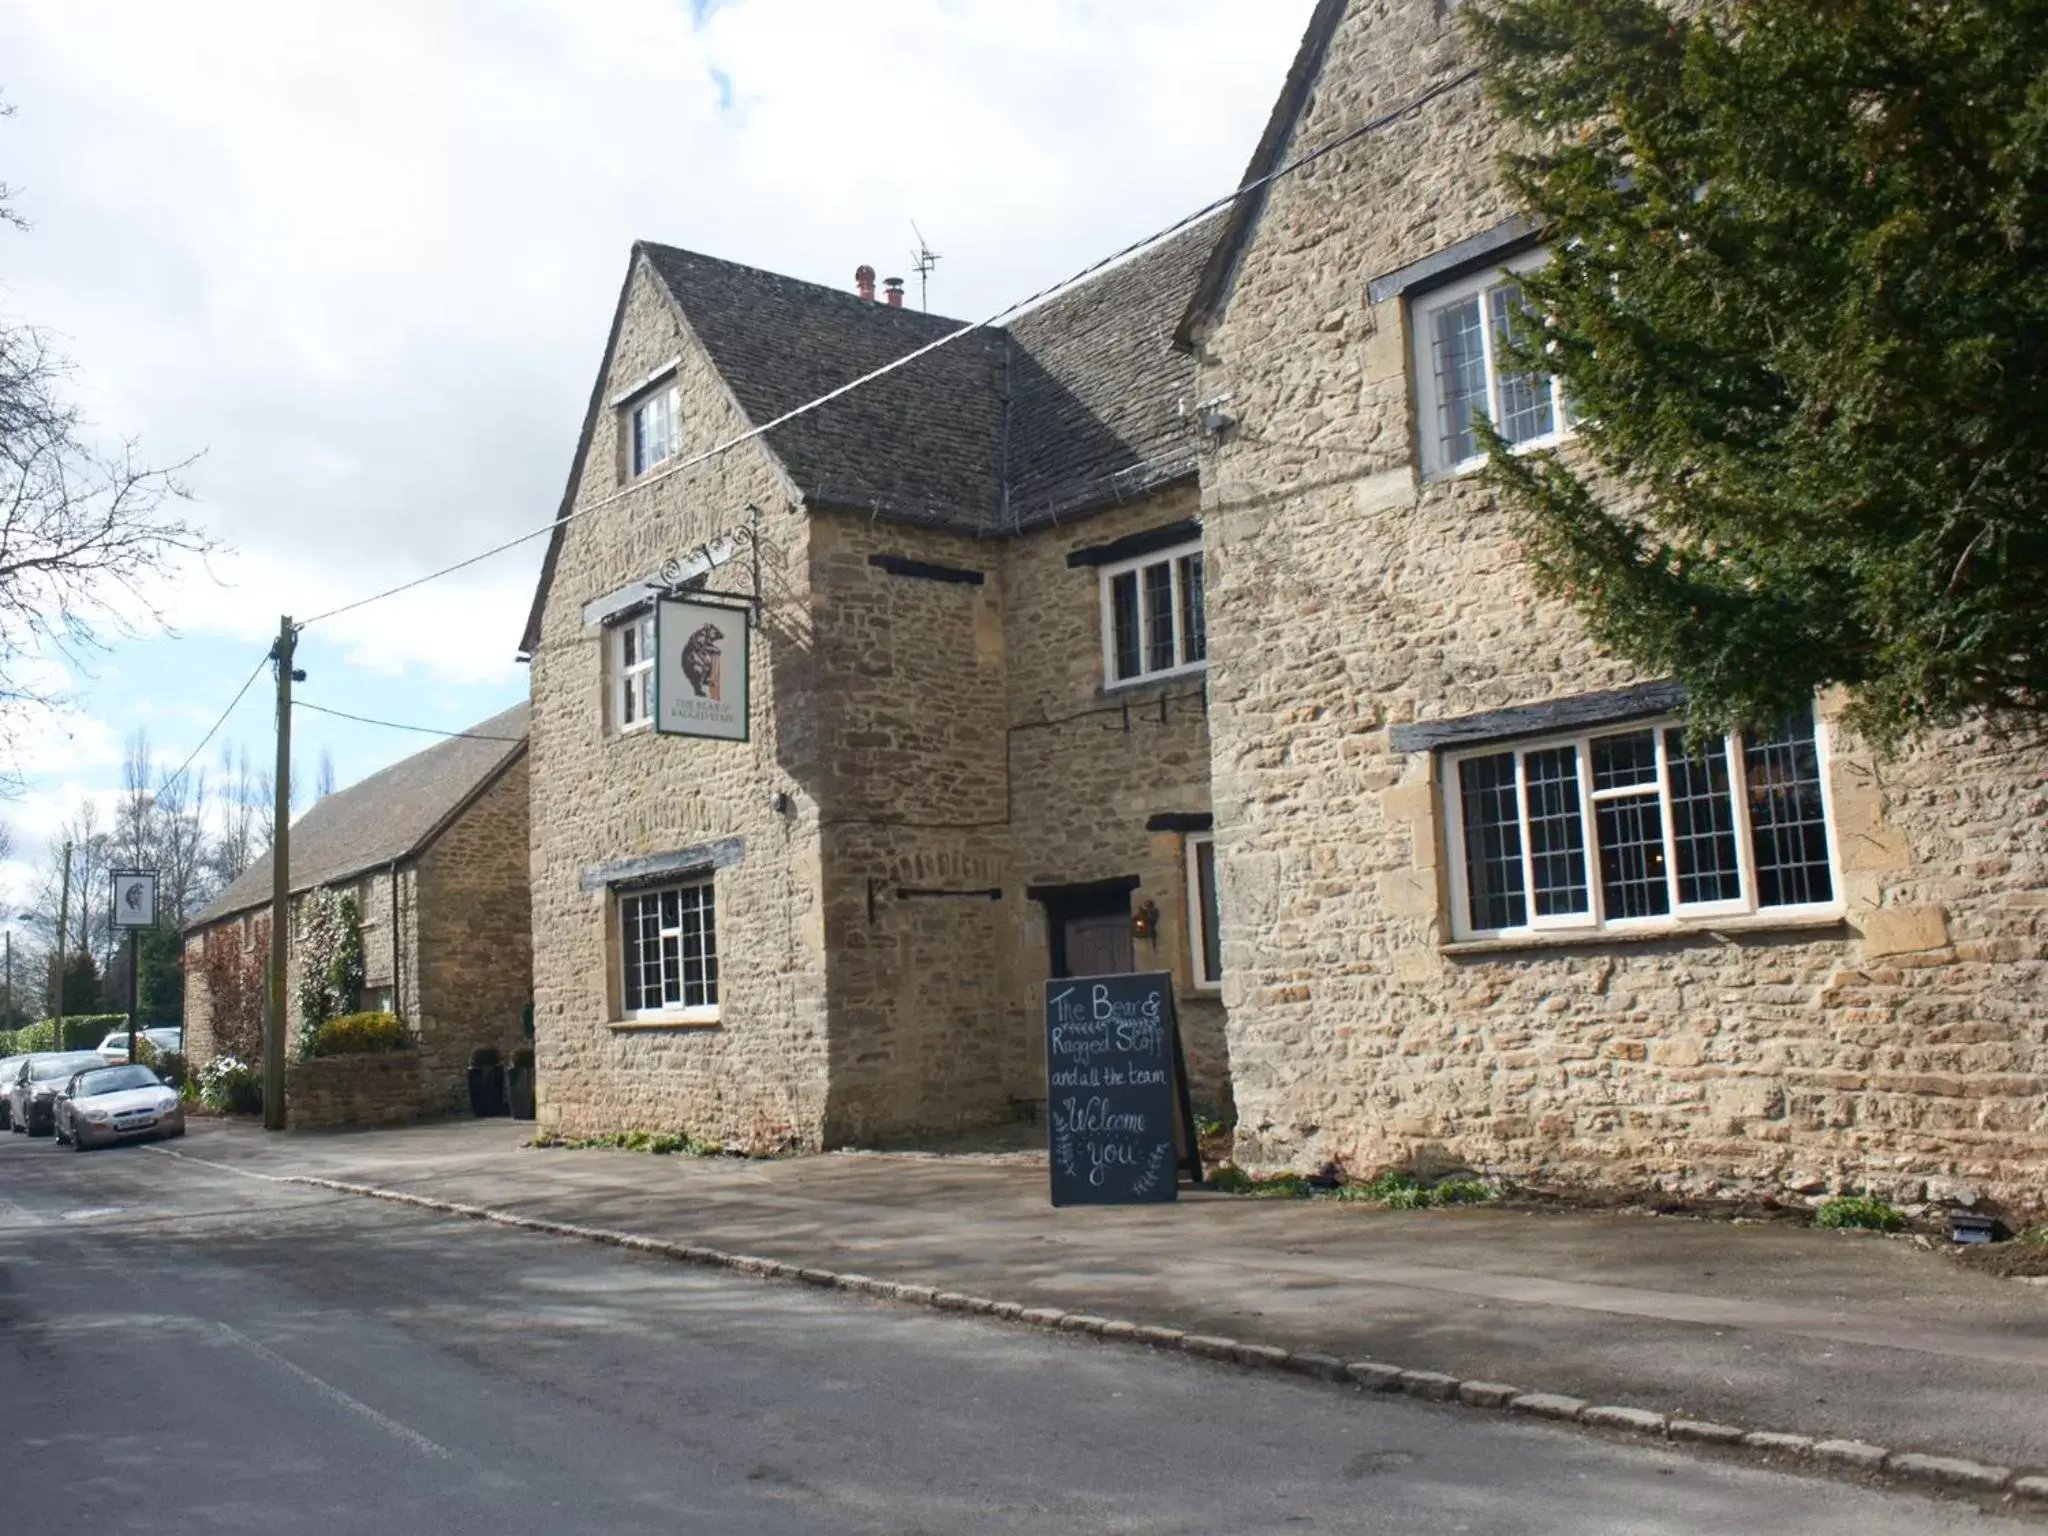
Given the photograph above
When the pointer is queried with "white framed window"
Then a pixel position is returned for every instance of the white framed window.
(1460, 370)
(1152, 623)
(1205, 939)
(668, 948)
(632, 666)
(654, 428)
(1621, 829)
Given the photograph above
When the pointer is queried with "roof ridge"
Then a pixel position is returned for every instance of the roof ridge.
(802, 282)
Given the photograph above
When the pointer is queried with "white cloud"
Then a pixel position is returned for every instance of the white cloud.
(364, 257)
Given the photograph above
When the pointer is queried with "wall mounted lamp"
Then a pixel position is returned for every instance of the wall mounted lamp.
(1145, 922)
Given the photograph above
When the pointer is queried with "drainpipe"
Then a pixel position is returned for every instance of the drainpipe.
(397, 992)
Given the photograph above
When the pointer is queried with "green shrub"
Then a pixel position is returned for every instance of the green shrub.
(172, 1068)
(1399, 1190)
(360, 1034)
(1229, 1179)
(485, 1056)
(1864, 1211)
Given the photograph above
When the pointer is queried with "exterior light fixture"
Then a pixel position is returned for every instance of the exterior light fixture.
(1145, 922)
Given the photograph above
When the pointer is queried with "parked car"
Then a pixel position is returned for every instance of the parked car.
(114, 1048)
(103, 1105)
(32, 1101)
(10, 1068)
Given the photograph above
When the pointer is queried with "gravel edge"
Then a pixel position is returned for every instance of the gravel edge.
(1927, 1469)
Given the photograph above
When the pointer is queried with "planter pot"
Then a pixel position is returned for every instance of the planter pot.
(486, 1091)
(519, 1085)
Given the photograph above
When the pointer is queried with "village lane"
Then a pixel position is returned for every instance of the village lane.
(222, 1352)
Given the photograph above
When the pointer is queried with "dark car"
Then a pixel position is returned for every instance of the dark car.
(32, 1101)
(108, 1104)
(10, 1068)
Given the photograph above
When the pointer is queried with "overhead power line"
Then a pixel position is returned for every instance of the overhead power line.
(164, 788)
(1300, 162)
(399, 725)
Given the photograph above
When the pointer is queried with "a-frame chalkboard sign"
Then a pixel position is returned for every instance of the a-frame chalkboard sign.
(1121, 1127)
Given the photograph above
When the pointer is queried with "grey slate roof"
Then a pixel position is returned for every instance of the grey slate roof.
(393, 814)
(1072, 407)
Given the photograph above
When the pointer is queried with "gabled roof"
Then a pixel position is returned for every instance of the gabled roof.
(1219, 275)
(394, 814)
(1072, 407)
(918, 444)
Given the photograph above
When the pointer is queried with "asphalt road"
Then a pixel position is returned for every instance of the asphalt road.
(183, 1348)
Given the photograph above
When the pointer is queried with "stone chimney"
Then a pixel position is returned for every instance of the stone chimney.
(864, 281)
(895, 287)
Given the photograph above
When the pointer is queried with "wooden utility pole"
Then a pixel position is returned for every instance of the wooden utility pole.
(63, 918)
(280, 887)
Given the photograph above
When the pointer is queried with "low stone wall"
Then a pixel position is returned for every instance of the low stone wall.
(383, 1089)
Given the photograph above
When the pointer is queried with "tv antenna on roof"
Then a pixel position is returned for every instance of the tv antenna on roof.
(924, 258)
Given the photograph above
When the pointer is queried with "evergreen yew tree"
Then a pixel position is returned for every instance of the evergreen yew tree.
(1799, 298)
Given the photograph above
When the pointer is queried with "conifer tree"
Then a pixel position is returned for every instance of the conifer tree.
(1798, 296)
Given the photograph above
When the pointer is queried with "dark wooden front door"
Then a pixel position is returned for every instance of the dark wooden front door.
(1100, 945)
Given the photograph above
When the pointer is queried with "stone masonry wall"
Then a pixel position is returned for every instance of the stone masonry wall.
(1904, 1049)
(385, 1089)
(373, 892)
(1087, 776)
(476, 936)
(971, 745)
(756, 1077)
(926, 1034)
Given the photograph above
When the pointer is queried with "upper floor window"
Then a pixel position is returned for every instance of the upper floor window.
(1462, 373)
(656, 428)
(1628, 829)
(1152, 615)
(632, 668)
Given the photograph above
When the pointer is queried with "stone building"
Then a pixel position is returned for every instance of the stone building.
(1476, 895)
(1169, 627)
(434, 851)
(976, 752)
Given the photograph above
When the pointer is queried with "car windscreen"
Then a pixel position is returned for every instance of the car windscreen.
(42, 1069)
(118, 1041)
(113, 1080)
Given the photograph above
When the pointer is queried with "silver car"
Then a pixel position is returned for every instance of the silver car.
(114, 1049)
(103, 1105)
(32, 1100)
(10, 1069)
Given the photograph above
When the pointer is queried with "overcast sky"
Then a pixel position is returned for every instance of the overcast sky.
(362, 258)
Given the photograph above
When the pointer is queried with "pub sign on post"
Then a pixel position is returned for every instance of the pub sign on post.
(700, 670)
(1110, 1091)
(134, 898)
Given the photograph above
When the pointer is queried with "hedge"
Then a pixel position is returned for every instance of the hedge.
(360, 1034)
(82, 1031)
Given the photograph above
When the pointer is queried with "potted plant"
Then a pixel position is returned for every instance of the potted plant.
(519, 1084)
(486, 1082)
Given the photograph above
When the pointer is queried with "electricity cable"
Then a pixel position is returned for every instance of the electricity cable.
(399, 725)
(1300, 162)
(164, 788)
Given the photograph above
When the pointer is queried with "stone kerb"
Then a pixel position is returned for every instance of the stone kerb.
(381, 1089)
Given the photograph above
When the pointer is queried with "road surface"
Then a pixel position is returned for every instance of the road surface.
(186, 1348)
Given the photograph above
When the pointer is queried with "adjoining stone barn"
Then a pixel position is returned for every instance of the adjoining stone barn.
(433, 850)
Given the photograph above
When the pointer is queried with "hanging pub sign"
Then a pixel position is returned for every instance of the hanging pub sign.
(134, 898)
(700, 670)
(1120, 1125)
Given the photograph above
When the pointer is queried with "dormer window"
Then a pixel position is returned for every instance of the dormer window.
(655, 428)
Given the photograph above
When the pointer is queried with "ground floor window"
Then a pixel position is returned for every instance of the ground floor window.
(1631, 827)
(669, 946)
(1205, 940)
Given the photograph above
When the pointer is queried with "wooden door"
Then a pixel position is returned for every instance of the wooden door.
(1100, 946)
